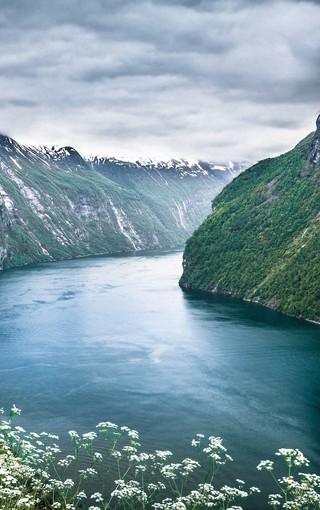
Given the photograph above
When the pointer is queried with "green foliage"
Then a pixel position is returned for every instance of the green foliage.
(261, 241)
(52, 210)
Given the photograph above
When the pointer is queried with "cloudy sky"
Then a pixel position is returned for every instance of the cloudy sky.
(201, 79)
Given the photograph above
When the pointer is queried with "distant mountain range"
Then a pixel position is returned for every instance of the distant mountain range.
(56, 204)
(262, 240)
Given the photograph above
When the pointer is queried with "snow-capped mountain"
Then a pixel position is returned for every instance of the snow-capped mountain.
(55, 204)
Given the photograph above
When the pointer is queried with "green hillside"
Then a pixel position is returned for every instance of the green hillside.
(261, 242)
(55, 205)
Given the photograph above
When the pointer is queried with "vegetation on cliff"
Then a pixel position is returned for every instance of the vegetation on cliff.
(261, 242)
(56, 205)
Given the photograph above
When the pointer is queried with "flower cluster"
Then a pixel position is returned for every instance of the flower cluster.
(107, 471)
(297, 490)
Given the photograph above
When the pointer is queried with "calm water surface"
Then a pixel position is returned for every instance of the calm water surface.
(116, 339)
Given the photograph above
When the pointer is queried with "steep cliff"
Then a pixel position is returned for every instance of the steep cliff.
(261, 242)
(54, 204)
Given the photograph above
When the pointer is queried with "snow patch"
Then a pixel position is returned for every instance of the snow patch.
(30, 194)
(7, 202)
(126, 227)
(180, 214)
(42, 249)
(15, 162)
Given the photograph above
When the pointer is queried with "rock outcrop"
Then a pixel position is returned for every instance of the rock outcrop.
(314, 153)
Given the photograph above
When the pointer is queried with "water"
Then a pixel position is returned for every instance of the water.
(115, 338)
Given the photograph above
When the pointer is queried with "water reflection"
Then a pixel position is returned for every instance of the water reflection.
(116, 339)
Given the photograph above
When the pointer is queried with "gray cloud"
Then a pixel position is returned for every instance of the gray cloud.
(206, 79)
(19, 103)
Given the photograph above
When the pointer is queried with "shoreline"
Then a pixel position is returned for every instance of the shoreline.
(231, 295)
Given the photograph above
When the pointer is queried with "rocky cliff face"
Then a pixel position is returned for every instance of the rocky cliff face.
(314, 153)
(55, 204)
(262, 240)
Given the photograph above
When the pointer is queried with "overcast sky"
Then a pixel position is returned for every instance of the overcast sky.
(200, 79)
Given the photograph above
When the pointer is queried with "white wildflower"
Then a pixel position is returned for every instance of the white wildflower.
(81, 495)
(133, 434)
(19, 429)
(15, 410)
(274, 499)
(73, 434)
(90, 436)
(106, 425)
(97, 496)
(68, 483)
(169, 470)
(162, 454)
(265, 464)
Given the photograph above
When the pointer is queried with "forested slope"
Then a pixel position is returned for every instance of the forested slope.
(261, 242)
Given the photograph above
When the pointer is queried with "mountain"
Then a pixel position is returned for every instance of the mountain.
(55, 204)
(262, 240)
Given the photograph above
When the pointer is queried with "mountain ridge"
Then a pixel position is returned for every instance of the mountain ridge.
(56, 204)
(261, 241)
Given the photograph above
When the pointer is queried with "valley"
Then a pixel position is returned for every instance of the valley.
(55, 204)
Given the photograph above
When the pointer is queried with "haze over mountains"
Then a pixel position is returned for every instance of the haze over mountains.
(55, 204)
